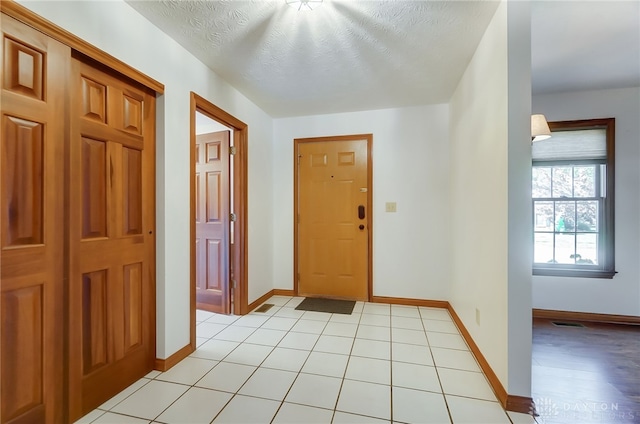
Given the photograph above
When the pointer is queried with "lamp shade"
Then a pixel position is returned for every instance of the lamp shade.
(539, 128)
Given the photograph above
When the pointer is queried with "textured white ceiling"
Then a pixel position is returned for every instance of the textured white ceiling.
(581, 45)
(352, 55)
(345, 55)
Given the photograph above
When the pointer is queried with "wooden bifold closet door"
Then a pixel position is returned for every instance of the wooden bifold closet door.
(77, 180)
(111, 249)
(34, 72)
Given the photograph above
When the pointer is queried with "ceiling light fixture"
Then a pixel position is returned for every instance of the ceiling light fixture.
(304, 4)
(539, 128)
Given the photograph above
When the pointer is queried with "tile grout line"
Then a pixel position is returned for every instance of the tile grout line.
(125, 398)
(344, 374)
(198, 380)
(237, 393)
(234, 394)
(326, 323)
(350, 355)
(446, 403)
(299, 371)
(391, 363)
(218, 362)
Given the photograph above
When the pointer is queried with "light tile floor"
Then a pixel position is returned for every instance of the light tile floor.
(381, 364)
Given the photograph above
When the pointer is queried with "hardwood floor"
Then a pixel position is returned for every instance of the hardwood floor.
(587, 374)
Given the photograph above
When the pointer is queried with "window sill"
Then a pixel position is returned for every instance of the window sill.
(582, 273)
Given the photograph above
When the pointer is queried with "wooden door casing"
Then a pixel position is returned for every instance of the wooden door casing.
(34, 74)
(238, 254)
(112, 241)
(212, 221)
(332, 239)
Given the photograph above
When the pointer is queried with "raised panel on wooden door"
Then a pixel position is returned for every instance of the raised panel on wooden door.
(201, 278)
(213, 201)
(318, 159)
(346, 158)
(22, 350)
(200, 212)
(94, 320)
(213, 151)
(319, 254)
(199, 204)
(317, 248)
(94, 188)
(344, 233)
(132, 113)
(131, 191)
(343, 211)
(31, 239)
(215, 265)
(23, 68)
(133, 307)
(22, 182)
(345, 261)
(94, 100)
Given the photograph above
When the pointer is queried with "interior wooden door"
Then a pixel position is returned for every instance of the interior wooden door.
(332, 223)
(212, 222)
(111, 249)
(34, 72)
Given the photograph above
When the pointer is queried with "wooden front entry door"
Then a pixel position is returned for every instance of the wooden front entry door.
(333, 222)
(34, 72)
(112, 241)
(212, 222)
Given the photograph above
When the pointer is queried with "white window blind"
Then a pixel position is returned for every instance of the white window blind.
(572, 145)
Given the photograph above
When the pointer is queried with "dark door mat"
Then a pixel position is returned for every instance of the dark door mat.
(330, 306)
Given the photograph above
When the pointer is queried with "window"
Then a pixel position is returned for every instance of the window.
(573, 191)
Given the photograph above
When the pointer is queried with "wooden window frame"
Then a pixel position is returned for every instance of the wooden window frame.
(607, 223)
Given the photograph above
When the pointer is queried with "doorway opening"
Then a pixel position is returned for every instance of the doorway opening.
(218, 239)
(214, 212)
(333, 233)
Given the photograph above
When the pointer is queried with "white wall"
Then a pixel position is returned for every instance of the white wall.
(620, 295)
(520, 232)
(410, 167)
(116, 28)
(205, 125)
(490, 142)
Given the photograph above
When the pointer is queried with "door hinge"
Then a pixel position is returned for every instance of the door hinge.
(298, 277)
(234, 284)
(233, 217)
(232, 150)
(298, 218)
